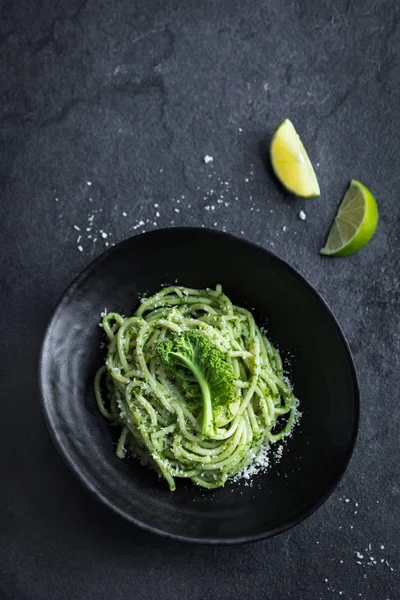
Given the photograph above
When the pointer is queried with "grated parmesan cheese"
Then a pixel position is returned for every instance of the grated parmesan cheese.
(258, 465)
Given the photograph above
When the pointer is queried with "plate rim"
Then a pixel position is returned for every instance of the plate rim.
(44, 367)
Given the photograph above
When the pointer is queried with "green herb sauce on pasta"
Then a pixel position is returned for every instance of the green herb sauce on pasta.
(205, 417)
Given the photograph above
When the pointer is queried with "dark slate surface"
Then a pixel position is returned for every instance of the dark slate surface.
(130, 96)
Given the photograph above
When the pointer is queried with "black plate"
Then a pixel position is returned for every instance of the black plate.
(298, 321)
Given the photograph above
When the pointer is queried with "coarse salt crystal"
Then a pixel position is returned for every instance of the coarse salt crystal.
(80, 248)
(302, 215)
(207, 159)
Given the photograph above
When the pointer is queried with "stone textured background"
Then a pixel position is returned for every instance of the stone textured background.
(107, 110)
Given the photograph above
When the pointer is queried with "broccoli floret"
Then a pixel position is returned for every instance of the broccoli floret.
(196, 362)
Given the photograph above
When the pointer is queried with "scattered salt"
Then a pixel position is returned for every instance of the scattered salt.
(302, 215)
(80, 248)
(207, 159)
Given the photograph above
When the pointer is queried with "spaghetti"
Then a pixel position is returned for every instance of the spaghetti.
(162, 424)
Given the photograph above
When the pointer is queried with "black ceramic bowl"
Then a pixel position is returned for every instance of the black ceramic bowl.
(299, 322)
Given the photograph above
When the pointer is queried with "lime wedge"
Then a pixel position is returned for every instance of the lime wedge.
(290, 162)
(355, 222)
